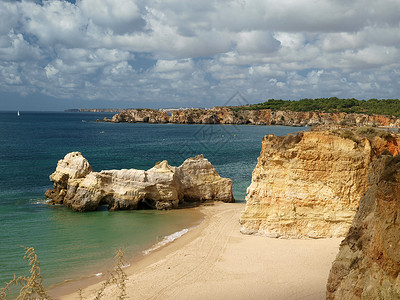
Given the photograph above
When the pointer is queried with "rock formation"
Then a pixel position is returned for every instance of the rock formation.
(140, 115)
(368, 263)
(310, 185)
(229, 115)
(77, 186)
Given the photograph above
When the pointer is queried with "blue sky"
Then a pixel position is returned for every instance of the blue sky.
(59, 54)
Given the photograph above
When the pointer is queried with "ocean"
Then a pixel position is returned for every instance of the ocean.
(71, 244)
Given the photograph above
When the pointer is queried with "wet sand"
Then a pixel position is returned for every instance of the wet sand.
(215, 261)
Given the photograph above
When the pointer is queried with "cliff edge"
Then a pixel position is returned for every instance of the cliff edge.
(368, 263)
(229, 115)
(309, 185)
(77, 186)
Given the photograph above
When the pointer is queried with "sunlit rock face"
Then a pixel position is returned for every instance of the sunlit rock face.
(228, 115)
(309, 185)
(368, 263)
(140, 115)
(77, 186)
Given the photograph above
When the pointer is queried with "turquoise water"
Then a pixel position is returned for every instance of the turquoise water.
(68, 242)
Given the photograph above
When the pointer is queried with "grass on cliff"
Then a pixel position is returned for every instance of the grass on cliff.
(31, 287)
(390, 107)
(357, 134)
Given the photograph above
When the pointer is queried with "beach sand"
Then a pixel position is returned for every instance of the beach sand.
(215, 261)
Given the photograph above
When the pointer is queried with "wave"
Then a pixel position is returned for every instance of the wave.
(40, 201)
(166, 240)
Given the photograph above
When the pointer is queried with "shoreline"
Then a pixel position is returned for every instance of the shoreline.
(97, 274)
(214, 260)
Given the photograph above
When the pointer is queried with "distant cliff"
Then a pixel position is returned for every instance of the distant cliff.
(95, 110)
(368, 263)
(228, 115)
(309, 185)
(140, 115)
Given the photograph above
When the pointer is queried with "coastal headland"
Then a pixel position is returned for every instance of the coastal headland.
(227, 115)
(304, 112)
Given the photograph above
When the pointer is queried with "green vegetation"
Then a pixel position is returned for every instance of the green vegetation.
(389, 107)
(348, 134)
(370, 132)
(32, 287)
(357, 134)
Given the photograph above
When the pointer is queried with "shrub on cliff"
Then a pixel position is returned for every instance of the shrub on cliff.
(287, 141)
(368, 132)
(357, 134)
(348, 134)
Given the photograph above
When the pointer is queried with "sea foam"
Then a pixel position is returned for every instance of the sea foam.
(166, 240)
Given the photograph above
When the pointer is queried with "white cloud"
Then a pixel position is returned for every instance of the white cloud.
(14, 47)
(257, 42)
(121, 16)
(173, 65)
(10, 75)
(54, 22)
(200, 50)
(9, 17)
(51, 70)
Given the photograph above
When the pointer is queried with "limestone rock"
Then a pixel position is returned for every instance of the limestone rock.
(140, 115)
(198, 177)
(368, 263)
(161, 187)
(310, 185)
(227, 115)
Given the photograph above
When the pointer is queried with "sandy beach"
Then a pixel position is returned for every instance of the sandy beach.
(215, 261)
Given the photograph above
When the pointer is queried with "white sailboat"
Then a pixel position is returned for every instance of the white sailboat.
(18, 114)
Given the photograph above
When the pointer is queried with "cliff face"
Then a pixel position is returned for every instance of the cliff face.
(368, 263)
(140, 115)
(309, 185)
(226, 115)
(161, 187)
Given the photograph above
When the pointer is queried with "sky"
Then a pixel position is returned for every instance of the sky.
(58, 54)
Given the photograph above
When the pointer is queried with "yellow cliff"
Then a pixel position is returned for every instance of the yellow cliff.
(309, 185)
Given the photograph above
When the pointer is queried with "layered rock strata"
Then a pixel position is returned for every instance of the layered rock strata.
(77, 186)
(368, 263)
(227, 115)
(309, 185)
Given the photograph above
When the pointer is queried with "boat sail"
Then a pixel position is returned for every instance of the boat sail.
(18, 114)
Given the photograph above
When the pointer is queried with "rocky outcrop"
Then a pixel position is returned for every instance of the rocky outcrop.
(229, 115)
(77, 186)
(140, 115)
(368, 263)
(309, 185)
